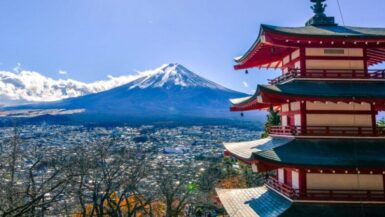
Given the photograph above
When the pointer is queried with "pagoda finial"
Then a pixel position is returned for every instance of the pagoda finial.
(320, 19)
(318, 7)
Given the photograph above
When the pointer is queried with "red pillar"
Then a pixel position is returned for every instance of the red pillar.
(302, 53)
(288, 177)
(302, 182)
(374, 123)
(303, 117)
(366, 62)
(383, 182)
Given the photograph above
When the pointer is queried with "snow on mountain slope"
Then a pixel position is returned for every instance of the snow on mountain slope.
(170, 75)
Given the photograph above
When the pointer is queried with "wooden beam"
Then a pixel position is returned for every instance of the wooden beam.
(333, 58)
(339, 112)
(376, 51)
(376, 54)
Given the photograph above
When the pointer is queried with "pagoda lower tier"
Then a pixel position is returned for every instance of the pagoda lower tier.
(328, 170)
(262, 201)
(298, 90)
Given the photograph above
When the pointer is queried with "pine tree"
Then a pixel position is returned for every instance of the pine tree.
(273, 119)
(381, 123)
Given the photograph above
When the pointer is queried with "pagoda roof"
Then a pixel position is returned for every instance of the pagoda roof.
(329, 210)
(312, 90)
(245, 150)
(274, 43)
(262, 201)
(328, 31)
(345, 153)
(312, 152)
(252, 202)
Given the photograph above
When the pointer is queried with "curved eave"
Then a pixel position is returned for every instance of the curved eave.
(237, 101)
(277, 94)
(245, 150)
(285, 40)
(331, 153)
(242, 58)
(241, 150)
(271, 95)
(249, 107)
(351, 32)
(247, 202)
(248, 103)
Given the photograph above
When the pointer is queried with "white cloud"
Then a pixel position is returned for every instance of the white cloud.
(62, 72)
(17, 68)
(29, 86)
(245, 84)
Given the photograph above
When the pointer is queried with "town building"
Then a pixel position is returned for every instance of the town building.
(327, 157)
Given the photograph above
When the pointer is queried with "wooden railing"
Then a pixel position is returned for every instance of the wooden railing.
(329, 195)
(329, 74)
(281, 187)
(327, 131)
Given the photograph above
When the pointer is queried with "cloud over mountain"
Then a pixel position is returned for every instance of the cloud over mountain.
(25, 86)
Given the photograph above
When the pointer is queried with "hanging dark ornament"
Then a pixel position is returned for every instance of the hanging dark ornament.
(242, 114)
(247, 72)
(273, 50)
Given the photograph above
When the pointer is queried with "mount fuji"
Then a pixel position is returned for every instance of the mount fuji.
(170, 92)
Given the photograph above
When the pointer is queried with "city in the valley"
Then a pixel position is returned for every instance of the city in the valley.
(73, 170)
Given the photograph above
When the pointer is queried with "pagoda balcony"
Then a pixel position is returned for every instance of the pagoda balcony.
(324, 195)
(327, 131)
(329, 74)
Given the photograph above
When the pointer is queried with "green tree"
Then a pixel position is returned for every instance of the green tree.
(381, 123)
(209, 176)
(251, 178)
(273, 119)
(227, 165)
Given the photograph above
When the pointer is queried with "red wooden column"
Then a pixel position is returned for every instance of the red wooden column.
(288, 177)
(383, 182)
(302, 54)
(302, 182)
(289, 115)
(303, 116)
(366, 70)
(373, 114)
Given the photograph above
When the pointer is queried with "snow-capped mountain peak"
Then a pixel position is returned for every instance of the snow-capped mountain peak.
(28, 86)
(171, 75)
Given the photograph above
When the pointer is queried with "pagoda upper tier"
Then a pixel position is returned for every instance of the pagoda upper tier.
(275, 43)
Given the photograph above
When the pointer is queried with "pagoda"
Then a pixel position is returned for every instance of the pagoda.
(327, 157)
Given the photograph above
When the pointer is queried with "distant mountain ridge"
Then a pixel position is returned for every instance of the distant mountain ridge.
(170, 92)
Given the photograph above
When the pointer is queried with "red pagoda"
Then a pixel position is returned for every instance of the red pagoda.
(327, 158)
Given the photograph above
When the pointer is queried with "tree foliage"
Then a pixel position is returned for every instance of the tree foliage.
(252, 179)
(381, 122)
(273, 119)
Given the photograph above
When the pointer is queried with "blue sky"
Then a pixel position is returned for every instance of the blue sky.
(91, 39)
